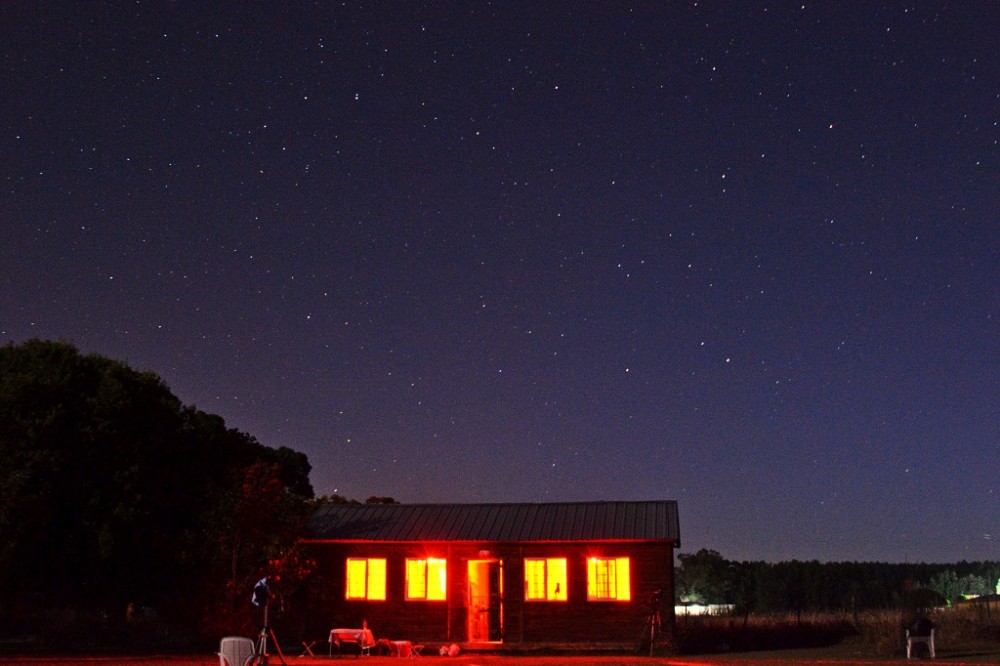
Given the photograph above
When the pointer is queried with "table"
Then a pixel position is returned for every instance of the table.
(398, 648)
(402, 649)
(363, 638)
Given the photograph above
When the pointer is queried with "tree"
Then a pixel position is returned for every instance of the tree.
(374, 499)
(110, 488)
(947, 584)
(85, 506)
(745, 592)
(250, 533)
(704, 577)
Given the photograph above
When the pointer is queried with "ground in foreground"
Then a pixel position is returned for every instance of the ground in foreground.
(845, 654)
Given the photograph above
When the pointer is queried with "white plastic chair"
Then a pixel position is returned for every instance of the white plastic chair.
(236, 651)
(912, 640)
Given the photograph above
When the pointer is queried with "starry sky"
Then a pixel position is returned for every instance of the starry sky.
(741, 255)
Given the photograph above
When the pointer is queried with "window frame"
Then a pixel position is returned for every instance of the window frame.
(616, 582)
(373, 575)
(427, 568)
(557, 594)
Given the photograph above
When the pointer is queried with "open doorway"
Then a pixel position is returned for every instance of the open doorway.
(485, 601)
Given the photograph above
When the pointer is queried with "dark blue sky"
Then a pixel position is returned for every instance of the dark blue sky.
(744, 256)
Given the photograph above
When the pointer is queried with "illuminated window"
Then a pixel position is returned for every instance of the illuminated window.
(545, 579)
(608, 579)
(366, 579)
(426, 579)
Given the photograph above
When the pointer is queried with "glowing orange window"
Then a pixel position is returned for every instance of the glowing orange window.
(366, 579)
(427, 579)
(608, 579)
(545, 579)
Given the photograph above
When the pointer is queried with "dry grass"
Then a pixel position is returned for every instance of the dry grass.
(957, 630)
(876, 635)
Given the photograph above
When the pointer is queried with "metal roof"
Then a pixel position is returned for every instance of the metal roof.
(564, 521)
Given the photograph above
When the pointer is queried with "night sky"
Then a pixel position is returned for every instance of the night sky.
(741, 255)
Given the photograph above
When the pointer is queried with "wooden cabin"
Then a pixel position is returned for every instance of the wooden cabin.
(497, 576)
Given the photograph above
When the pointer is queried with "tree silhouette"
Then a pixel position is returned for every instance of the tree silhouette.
(113, 494)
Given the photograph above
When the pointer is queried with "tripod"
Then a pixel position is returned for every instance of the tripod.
(653, 624)
(260, 651)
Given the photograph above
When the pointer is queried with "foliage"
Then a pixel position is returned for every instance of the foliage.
(704, 577)
(114, 495)
(339, 499)
(949, 585)
(802, 587)
(251, 533)
(374, 499)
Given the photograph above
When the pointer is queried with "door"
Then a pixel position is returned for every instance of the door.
(485, 601)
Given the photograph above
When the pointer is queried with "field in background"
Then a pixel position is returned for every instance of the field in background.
(876, 635)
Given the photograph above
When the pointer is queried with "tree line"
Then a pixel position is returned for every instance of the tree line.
(125, 514)
(795, 586)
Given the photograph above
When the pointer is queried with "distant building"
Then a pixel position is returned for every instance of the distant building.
(496, 576)
(989, 603)
(703, 609)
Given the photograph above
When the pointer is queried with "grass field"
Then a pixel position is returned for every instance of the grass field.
(874, 634)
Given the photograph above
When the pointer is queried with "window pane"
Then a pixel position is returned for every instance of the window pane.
(357, 574)
(376, 580)
(437, 579)
(624, 591)
(534, 579)
(556, 583)
(416, 579)
(427, 579)
(608, 579)
(591, 578)
(598, 584)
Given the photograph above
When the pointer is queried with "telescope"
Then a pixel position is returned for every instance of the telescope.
(261, 598)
